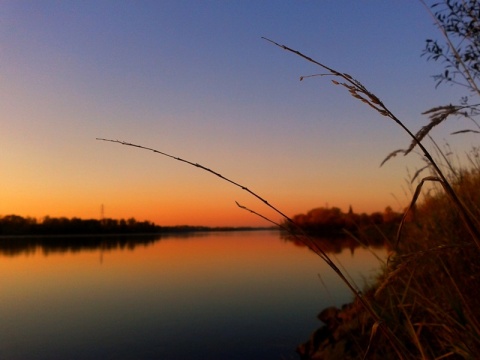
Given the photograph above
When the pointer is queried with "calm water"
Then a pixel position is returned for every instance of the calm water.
(239, 295)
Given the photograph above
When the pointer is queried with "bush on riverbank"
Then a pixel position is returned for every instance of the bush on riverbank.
(333, 222)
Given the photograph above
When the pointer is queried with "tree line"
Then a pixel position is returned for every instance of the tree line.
(18, 225)
(332, 221)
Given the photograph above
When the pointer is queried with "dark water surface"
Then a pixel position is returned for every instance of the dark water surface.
(233, 295)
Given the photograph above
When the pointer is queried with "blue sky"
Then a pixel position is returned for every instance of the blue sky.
(195, 79)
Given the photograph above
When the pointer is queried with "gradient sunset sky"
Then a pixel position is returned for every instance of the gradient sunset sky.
(195, 79)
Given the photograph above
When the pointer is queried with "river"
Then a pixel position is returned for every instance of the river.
(217, 295)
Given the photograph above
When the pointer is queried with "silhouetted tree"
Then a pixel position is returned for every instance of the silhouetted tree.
(459, 52)
(333, 222)
(459, 22)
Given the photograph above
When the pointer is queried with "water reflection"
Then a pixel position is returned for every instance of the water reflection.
(245, 295)
(338, 244)
(19, 245)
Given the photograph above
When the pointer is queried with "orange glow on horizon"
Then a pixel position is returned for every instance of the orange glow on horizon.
(234, 218)
(223, 213)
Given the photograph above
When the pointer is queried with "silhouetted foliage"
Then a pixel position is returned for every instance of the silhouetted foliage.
(11, 225)
(459, 21)
(331, 222)
(17, 225)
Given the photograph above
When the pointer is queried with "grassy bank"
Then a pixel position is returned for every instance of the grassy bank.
(425, 304)
(428, 294)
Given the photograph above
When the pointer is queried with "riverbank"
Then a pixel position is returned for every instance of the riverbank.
(427, 297)
(342, 336)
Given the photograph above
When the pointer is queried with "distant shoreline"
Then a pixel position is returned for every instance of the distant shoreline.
(12, 245)
(15, 226)
(172, 231)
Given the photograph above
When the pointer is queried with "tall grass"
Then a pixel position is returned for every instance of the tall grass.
(429, 294)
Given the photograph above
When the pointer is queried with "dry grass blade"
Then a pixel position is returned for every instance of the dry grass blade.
(444, 156)
(355, 87)
(203, 168)
(418, 172)
(465, 131)
(438, 115)
(260, 215)
(412, 205)
(411, 328)
(313, 75)
(392, 155)
(372, 336)
(391, 277)
(440, 109)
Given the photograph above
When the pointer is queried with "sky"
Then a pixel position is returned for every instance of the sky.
(196, 80)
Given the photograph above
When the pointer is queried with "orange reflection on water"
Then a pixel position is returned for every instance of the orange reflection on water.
(148, 294)
(171, 260)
